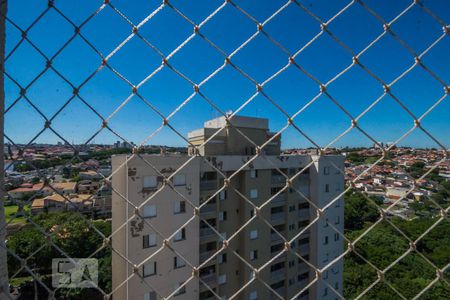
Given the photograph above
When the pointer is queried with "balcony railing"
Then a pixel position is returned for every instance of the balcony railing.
(280, 198)
(281, 291)
(303, 214)
(206, 185)
(283, 255)
(278, 179)
(277, 274)
(204, 255)
(209, 278)
(206, 232)
(207, 208)
(302, 267)
(275, 237)
(303, 283)
(303, 249)
(277, 216)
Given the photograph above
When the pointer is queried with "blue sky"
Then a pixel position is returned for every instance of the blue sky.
(228, 89)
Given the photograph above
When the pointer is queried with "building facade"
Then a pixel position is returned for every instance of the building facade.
(147, 210)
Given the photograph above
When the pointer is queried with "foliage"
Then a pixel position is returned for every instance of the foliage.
(358, 210)
(71, 233)
(35, 180)
(383, 245)
(355, 158)
(417, 169)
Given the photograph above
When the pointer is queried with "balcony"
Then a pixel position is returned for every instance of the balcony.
(209, 279)
(274, 237)
(281, 256)
(208, 208)
(281, 291)
(303, 283)
(303, 249)
(304, 189)
(302, 267)
(206, 232)
(204, 255)
(278, 179)
(277, 274)
(277, 216)
(206, 185)
(303, 214)
(280, 198)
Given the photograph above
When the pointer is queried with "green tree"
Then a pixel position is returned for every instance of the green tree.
(358, 210)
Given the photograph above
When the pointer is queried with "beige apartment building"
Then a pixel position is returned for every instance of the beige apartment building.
(157, 210)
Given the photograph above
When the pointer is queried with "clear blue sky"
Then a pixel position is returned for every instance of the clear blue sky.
(322, 121)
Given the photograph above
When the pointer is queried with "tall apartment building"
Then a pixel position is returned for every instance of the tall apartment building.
(171, 209)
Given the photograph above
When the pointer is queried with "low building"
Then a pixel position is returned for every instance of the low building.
(28, 190)
(59, 203)
(89, 175)
(87, 187)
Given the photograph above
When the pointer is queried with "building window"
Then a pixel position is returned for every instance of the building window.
(180, 235)
(291, 227)
(253, 173)
(338, 203)
(291, 208)
(149, 211)
(253, 295)
(223, 195)
(335, 270)
(150, 296)
(253, 254)
(222, 215)
(327, 188)
(179, 179)
(181, 290)
(222, 258)
(149, 269)
(252, 212)
(254, 234)
(150, 182)
(178, 262)
(149, 240)
(325, 240)
(326, 223)
(338, 220)
(336, 236)
(326, 171)
(222, 279)
(325, 292)
(336, 285)
(302, 277)
(180, 207)
(325, 275)
(253, 193)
